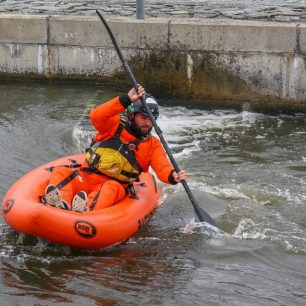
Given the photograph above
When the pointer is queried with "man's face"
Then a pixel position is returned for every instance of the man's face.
(143, 123)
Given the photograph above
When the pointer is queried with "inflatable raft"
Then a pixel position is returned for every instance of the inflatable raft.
(24, 212)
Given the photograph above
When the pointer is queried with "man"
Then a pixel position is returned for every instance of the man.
(120, 151)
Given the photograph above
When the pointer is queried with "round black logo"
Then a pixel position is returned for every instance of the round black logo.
(85, 229)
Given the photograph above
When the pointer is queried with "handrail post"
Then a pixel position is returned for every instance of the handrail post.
(140, 9)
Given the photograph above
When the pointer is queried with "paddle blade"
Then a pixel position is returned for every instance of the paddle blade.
(204, 216)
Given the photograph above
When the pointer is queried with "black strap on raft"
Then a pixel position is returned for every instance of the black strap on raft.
(74, 164)
(69, 178)
(65, 181)
(95, 199)
(131, 189)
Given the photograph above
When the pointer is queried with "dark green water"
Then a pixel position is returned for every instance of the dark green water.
(248, 170)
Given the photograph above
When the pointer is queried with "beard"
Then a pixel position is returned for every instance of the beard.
(140, 131)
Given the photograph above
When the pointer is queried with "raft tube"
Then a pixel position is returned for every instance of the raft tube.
(95, 229)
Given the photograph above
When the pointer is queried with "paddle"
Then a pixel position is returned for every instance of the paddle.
(201, 214)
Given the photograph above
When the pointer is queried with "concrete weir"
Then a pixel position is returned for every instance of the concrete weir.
(230, 63)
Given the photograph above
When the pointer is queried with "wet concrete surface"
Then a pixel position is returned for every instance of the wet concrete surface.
(268, 10)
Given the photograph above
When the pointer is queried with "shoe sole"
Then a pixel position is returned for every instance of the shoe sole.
(78, 204)
(53, 198)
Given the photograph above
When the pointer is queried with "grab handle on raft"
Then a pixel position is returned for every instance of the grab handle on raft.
(201, 214)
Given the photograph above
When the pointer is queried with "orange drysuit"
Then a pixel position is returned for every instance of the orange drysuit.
(101, 189)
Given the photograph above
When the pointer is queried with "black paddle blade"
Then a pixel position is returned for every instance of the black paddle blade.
(204, 216)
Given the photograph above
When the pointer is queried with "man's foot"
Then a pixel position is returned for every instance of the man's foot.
(79, 202)
(53, 197)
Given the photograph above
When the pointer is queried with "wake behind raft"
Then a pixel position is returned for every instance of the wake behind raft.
(23, 211)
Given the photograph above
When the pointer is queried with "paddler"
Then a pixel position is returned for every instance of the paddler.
(121, 149)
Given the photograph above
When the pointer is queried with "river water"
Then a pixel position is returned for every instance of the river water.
(248, 170)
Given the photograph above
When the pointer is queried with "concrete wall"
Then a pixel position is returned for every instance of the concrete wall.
(253, 64)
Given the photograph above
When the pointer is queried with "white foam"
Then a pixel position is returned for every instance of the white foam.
(219, 191)
(247, 229)
(193, 226)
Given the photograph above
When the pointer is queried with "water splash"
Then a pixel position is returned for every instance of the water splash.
(209, 231)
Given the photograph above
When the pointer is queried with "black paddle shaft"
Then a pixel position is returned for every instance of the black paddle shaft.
(201, 214)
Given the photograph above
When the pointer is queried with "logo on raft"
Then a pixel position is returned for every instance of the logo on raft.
(7, 205)
(85, 229)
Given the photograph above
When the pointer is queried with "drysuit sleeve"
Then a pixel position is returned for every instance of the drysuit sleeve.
(160, 162)
(105, 117)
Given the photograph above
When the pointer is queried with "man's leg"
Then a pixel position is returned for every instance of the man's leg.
(110, 193)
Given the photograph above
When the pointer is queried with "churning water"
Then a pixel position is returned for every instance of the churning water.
(247, 170)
